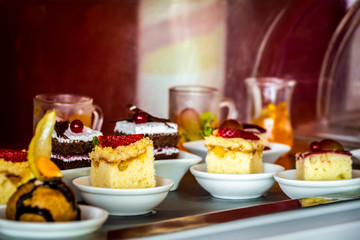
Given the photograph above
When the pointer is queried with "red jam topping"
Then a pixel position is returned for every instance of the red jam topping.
(13, 155)
(236, 133)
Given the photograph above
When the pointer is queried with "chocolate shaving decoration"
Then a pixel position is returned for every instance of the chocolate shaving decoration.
(247, 126)
(151, 118)
(60, 128)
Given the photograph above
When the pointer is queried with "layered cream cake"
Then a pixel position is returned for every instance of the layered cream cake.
(125, 161)
(163, 133)
(14, 171)
(71, 144)
(327, 160)
(234, 151)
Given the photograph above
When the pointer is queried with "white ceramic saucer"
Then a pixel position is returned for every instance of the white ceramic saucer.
(175, 169)
(92, 219)
(236, 186)
(269, 156)
(356, 158)
(71, 174)
(124, 202)
(302, 189)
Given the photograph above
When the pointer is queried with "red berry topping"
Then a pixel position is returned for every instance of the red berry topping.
(140, 117)
(13, 155)
(76, 126)
(121, 140)
(236, 133)
(314, 146)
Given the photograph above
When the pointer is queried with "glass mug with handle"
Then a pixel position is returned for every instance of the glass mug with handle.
(196, 109)
(68, 108)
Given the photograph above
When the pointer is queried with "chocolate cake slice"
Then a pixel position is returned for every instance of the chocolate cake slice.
(163, 133)
(71, 145)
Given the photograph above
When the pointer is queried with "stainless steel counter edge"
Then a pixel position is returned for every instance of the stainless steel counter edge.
(296, 224)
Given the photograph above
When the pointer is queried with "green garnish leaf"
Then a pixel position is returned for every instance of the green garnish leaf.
(206, 132)
(96, 141)
(207, 118)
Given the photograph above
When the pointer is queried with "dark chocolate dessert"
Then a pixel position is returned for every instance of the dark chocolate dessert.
(163, 133)
(37, 201)
(71, 144)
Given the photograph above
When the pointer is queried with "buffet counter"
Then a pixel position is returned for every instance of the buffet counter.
(330, 221)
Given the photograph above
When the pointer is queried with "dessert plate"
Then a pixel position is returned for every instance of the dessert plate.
(92, 219)
(175, 169)
(302, 189)
(269, 156)
(356, 158)
(124, 202)
(71, 174)
(236, 186)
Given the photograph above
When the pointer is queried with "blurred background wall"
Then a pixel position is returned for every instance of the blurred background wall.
(92, 47)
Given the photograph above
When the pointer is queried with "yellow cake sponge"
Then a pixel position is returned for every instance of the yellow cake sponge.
(323, 166)
(126, 167)
(233, 155)
(12, 175)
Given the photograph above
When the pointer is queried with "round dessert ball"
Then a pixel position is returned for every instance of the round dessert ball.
(37, 201)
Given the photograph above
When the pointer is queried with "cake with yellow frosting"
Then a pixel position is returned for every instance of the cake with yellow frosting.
(327, 160)
(14, 171)
(125, 162)
(233, 151)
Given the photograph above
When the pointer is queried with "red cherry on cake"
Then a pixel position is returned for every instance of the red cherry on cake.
(231, 123)
(329, 144)
(140, 117)
(76, 126)
(326, 145)
(314, 146)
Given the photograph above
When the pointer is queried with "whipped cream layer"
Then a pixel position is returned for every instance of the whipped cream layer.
(79, 157)
(126, 127)
(86, 135)
(166, 150)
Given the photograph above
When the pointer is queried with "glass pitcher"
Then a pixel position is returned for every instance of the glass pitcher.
(270, 100)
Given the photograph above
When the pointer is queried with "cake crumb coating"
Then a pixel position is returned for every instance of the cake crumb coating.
(234, 155)
(126, 167)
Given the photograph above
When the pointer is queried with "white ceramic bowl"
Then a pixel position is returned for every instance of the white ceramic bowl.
(302, 189)
(91, 220)
(269, 156)
(71, 174)
(124, 202)
(356, 153)
(356, 159)
(236, 186)
(175, 169)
